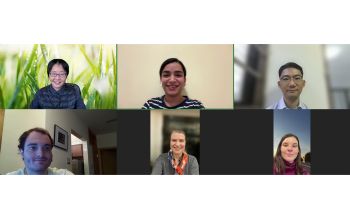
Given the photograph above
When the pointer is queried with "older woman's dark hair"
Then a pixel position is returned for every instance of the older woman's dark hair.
(22, 139)
(61, 62)
(169, 61)
(279, 164)
(290, 65)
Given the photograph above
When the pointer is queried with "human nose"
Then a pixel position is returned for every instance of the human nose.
(172, 78)
(40, 152)
(292, 82)
(290, 148)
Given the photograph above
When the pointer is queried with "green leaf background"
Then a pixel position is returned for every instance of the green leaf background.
(23, 71)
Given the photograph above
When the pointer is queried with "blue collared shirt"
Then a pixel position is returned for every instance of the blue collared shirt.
(282, 105)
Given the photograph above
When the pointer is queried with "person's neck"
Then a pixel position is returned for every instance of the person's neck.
(177, 157)
(26, 172)
(173, 100)
(291, 103)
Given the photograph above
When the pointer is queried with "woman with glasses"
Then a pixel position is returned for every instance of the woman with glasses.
(59, 94)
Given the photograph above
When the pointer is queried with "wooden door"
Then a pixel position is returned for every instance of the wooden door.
(108, 159)
(93, 142)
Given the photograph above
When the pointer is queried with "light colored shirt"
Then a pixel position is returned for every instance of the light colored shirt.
(282, 105)
(50, 171)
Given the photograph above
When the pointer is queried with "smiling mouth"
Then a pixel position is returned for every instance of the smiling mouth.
(40, 160)
(172, 87)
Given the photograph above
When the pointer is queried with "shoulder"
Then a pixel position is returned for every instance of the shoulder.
(306, 169)
(273, 106)
(192, 104)
(193, 165)
(72, 86)
(303, 105)
(154, 103)
(56, 171)
(43, 90)
(192, 159)
(163, 156)
(17, 172)
(161, 159)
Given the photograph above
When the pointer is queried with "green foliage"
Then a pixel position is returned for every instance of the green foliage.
(24, 71)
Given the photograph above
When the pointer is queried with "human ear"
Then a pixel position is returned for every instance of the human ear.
(21, 152)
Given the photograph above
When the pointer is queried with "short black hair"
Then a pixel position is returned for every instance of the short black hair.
(290, 65)
(171, 60)
(22, 139)
(60, 62)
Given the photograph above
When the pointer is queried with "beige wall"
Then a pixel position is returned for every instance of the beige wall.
(311, 59)
(209, 73)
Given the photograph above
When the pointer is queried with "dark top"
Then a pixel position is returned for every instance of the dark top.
(291, 169)
(68, 97)
(159, 103)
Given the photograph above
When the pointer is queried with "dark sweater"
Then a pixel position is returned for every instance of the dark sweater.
(68, 97)
(291, 169)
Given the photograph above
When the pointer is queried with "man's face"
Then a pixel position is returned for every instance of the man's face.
(173, 79)
(291, 83)
(57, 76)
(177, 143)
(37, 153)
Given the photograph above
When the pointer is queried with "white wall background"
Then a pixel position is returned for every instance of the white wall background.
(157, 127)
(15, 123)
(209, 73)
(311, 59)
(108, 140)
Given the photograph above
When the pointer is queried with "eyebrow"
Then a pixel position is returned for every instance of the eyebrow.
(166, 71)
(292, 75)
(58, 72)
(35, 144)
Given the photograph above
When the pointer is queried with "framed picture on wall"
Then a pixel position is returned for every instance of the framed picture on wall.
(61, 138)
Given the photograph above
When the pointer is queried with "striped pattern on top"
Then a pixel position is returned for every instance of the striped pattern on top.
(158, 103)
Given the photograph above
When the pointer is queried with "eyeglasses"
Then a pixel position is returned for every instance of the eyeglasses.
(288, 79)
(60, 75)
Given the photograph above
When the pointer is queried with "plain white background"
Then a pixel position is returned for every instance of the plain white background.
(163, 22)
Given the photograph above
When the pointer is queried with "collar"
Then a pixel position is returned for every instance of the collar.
(282, 105)
(174, 107)
(52, 90)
